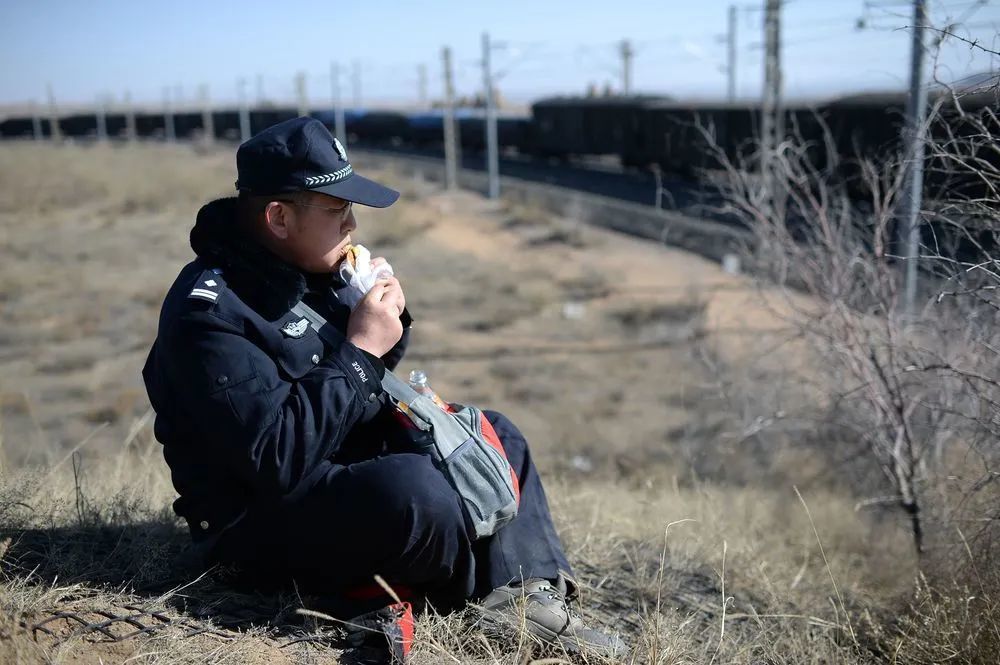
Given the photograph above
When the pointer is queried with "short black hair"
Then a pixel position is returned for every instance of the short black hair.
(250, 204)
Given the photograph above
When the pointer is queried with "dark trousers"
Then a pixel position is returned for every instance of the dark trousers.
(397, 516)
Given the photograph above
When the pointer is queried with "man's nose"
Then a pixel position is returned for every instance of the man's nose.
(349, 223)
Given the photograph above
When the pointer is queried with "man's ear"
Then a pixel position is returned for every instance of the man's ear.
(276, 219)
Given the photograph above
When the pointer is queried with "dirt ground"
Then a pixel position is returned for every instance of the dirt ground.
(514, 310)
(615, 356)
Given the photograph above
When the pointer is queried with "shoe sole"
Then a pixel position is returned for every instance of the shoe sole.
(572, 645)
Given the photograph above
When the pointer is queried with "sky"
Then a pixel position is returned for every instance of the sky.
(148, 50)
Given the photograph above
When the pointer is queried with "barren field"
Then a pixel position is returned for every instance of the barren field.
(645, 378)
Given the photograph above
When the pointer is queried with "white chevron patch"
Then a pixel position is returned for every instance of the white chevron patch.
(328, 178)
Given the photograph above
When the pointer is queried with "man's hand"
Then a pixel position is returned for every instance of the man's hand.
(374, 324)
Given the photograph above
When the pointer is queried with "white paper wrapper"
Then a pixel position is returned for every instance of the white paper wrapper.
(361, 277)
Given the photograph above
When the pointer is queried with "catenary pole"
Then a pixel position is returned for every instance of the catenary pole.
(627, 54)
(448, 117)
(241, 93)
(102, 118)
(36, 122)
(301, 95)
(339, 125)
(207, 120)
(356, 83)
(771, 114)
(422, 86)
(916, 115)
(492, 149)
(731, 56)
(169, 132)
(55, 132)
(131, 134)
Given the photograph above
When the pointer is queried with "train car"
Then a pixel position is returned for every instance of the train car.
(425, 130)
(962, 158)
(151, 125)
(376, 128)
(687, 137)
(78, 125)
(514, 132)
(870, 126)
(515, 135)
(566, 127)
(263, 117)
(471, 131)
(18, 128)
(226, 124)
(866, 126)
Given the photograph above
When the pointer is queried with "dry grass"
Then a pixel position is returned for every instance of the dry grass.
(677, 508)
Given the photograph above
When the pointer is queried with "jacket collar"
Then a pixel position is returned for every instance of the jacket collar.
(262, 280)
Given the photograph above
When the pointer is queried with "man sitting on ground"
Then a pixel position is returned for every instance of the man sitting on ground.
(280, 442)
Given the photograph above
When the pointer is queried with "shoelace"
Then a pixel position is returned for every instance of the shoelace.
(558, 594)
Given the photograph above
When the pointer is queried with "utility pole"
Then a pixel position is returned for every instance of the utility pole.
(771, 113)
(55, 131)
(339, 125)
(300, 94)
(422, 86)
(207, 121)
(450, 144)
(102, 118)
(36, 122)
(169, 131)
(492, 149)
(731, 59)
(241, 94)
(916, 114)
(356, 83)
(627, 53)
(130, 131)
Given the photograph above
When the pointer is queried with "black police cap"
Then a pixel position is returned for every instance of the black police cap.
(301, 155)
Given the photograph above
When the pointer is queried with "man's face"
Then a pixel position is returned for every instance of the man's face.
(318, 231)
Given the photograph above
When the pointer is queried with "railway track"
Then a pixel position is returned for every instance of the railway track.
(612, 199)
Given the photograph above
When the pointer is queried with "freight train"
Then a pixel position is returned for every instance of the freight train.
(640, 131)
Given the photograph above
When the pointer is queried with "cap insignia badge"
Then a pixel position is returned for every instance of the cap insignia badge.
(340, 149)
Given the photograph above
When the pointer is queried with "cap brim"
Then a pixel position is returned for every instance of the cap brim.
(359, 189)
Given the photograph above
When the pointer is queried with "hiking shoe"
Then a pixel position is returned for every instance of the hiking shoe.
(539, 606)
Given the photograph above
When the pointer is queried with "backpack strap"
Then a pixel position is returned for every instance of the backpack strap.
(391, 383)
(398, 389)
(316, 320)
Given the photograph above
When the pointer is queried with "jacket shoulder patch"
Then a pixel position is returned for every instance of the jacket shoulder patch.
(209, 286)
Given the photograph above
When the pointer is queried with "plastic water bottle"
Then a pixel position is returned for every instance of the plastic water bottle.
(418, 381)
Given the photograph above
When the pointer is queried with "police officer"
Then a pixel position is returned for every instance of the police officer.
(280, 443)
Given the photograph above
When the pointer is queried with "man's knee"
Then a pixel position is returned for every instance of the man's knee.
(511, 438)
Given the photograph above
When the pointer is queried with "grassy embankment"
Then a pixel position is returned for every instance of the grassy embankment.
(644, 378)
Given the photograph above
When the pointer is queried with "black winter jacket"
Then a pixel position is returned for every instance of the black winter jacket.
(251, 416)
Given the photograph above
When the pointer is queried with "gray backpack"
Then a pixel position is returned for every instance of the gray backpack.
(468, 451)
(465, 447)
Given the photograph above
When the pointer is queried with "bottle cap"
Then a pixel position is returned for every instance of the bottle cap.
(418, 378)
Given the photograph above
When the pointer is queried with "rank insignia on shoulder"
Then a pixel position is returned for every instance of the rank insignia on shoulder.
(210, 286)
(203, 294)
(295, 329)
